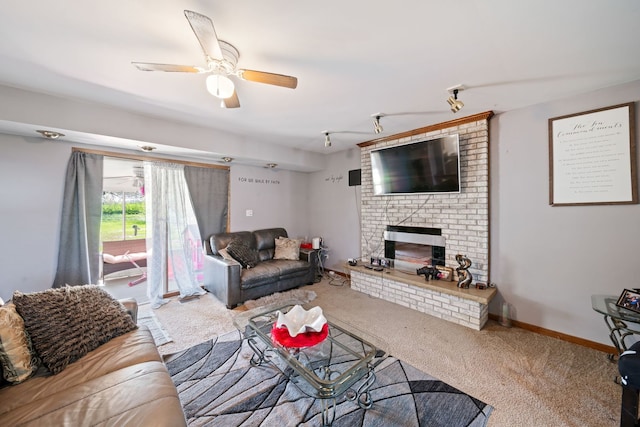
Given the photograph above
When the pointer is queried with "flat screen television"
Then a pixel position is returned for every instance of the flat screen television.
(431, 166)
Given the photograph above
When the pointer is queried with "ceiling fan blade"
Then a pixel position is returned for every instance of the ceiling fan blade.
(202, 27)
(172, 68)
(268, 78)
(231, 102)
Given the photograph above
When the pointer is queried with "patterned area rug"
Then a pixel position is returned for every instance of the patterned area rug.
(218, 387)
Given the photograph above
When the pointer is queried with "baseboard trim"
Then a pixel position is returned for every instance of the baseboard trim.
(564, 337)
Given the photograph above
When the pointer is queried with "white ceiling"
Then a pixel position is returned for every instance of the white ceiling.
(352, 59)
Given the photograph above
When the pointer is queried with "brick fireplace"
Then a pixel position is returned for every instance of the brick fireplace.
(461, 218)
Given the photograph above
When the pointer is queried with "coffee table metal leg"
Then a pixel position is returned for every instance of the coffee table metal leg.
(328, 411)
(362, 394)
(260, 356)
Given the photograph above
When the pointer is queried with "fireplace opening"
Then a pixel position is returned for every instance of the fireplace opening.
(411, 248)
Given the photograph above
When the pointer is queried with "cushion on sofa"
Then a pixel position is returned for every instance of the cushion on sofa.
(287, 249)
(66, 323)
(225, 255)
(18, 361)
(221, 240)
(242, 253)
(265, 241)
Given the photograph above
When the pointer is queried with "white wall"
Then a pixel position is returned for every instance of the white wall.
(335, 208)
(278, 198)
(32, 174)
(548, 261)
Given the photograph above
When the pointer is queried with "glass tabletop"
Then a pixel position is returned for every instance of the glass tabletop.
(325, 370)
(606, 304)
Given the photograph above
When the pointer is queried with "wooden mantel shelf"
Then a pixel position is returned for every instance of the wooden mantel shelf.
(482, 296)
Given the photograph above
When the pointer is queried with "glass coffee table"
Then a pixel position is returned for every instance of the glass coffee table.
(343, 364)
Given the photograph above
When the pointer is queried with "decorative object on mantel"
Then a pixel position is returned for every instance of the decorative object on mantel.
(445, 273)
(592, 157)
(464, 276)
(429, 271)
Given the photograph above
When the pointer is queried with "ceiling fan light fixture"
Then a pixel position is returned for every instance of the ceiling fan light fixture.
(220, 86)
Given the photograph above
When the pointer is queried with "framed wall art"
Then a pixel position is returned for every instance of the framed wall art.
(592, 157)
(630, 300)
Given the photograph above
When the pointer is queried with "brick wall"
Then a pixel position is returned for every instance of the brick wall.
(463, 217)
(442, 305)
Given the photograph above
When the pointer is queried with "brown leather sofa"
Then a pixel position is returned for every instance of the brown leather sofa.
(233, 285)
(121, 383)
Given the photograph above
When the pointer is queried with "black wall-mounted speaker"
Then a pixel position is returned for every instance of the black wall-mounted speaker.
(355, 176)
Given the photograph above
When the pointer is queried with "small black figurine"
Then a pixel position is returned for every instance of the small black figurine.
(429, 271)
(464, 277)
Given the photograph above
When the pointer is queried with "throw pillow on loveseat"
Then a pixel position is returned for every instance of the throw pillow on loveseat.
(245, 255)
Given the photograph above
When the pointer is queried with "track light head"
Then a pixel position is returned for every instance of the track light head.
(327, 139)
(376, 123)
(455, 104)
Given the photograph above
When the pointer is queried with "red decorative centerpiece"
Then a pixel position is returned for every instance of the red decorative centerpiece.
(300, 328)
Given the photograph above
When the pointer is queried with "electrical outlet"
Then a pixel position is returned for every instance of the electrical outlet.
(249, 212)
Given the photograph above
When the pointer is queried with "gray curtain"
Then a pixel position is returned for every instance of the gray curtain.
(209, 190)
(79, 252)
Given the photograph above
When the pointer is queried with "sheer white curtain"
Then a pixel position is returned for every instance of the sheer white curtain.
(168, 205)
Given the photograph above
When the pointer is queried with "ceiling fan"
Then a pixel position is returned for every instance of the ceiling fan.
(221, 58)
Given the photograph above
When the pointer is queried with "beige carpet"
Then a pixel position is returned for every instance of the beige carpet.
(530, 379)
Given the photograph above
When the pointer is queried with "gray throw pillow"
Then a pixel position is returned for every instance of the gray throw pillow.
(66, 323)
(287, 248)
(242, 253)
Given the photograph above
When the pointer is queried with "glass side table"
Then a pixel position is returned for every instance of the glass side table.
(617, 319)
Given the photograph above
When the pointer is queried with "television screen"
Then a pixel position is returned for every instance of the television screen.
(431, 166)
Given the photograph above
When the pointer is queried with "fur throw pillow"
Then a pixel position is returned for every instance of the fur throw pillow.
(287, 248)
(242, 253)
(66, 323)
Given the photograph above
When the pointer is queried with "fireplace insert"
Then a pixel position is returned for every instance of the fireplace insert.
(414, 247)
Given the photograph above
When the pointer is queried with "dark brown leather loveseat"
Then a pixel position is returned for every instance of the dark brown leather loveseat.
(233, 285)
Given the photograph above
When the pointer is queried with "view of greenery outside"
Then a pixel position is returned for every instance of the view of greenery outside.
(113, 211)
